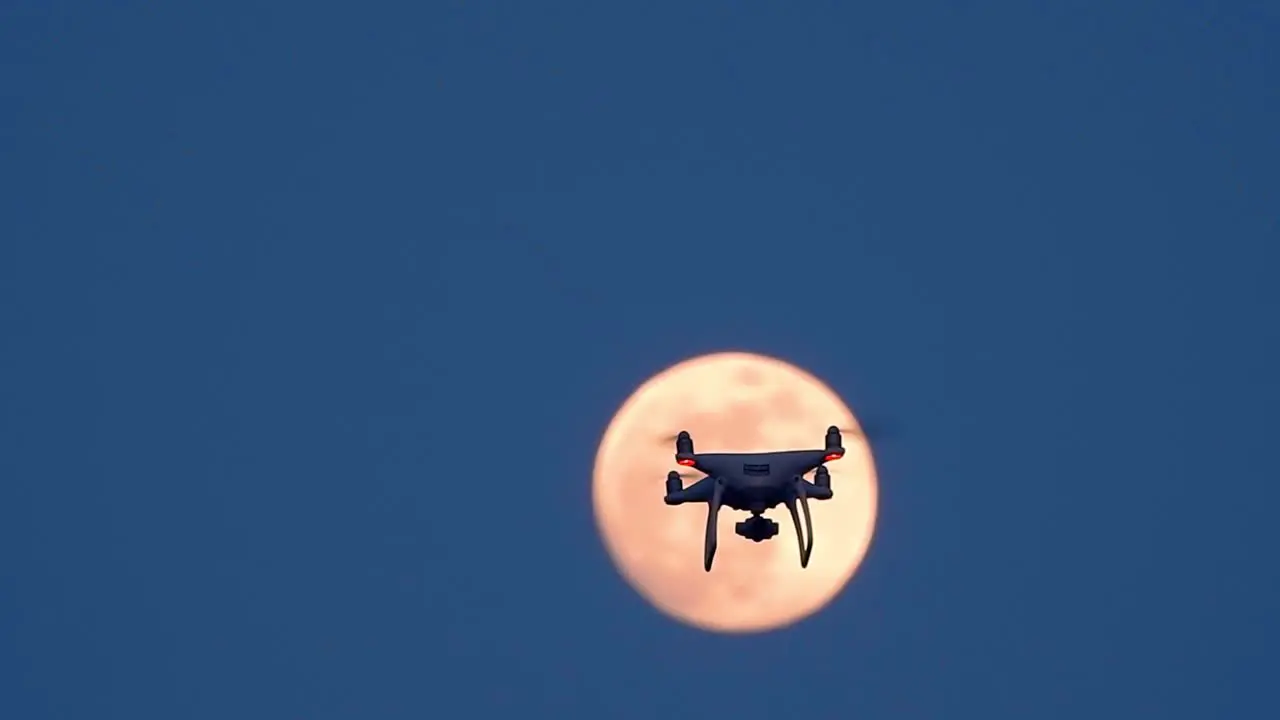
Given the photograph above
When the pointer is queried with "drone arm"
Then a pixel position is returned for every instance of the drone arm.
(700, 491)
(816, 492)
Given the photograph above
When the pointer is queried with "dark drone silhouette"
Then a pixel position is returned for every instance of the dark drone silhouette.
(755, 482)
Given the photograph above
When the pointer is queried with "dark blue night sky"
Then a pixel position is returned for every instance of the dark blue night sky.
(313, 315)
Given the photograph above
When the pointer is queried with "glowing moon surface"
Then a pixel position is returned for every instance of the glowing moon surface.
(730, 402)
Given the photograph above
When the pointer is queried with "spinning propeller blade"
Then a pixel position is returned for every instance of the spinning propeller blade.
(875, 429)
(868, 430)
(668, 439)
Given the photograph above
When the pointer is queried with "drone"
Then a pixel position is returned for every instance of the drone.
(755, 482)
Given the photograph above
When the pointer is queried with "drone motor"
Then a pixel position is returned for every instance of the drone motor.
(684, 449)
(835, 448)
(822, 477)
(674, 484)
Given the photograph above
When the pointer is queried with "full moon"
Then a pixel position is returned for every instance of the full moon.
(730, 402)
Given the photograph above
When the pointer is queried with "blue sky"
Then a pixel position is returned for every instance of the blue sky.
(313, 315)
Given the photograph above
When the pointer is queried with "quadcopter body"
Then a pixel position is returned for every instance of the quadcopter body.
(755, 483)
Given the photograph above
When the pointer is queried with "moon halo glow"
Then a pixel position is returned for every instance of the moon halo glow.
(730, 402)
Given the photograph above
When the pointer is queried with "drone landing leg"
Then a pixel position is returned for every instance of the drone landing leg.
(803, 539)
(713, 510)
(808, 527)
(795, 519)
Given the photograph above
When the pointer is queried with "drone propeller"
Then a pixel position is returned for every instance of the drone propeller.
(873, 430)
